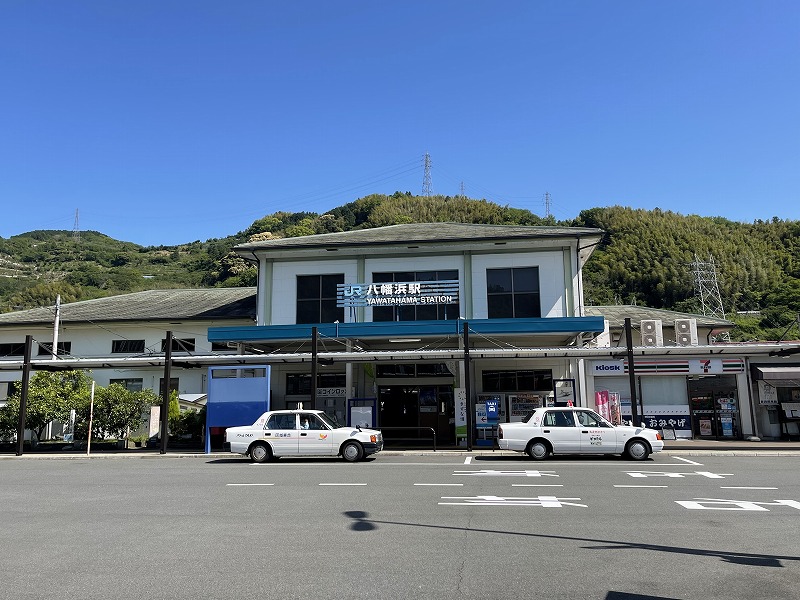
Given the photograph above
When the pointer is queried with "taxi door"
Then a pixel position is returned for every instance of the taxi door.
(316, 438)
(282, 433)
(596, 435)
(558, 426)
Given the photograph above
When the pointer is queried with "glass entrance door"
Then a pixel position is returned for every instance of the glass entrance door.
(715, 408)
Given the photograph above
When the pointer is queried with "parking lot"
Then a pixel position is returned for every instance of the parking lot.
(402, 526)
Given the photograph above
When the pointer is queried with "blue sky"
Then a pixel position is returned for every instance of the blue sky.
(166, 121)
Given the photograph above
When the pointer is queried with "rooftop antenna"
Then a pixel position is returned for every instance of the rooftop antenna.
(427, 190)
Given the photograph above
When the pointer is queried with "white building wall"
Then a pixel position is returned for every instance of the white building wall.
(552, 279)
(283, 288)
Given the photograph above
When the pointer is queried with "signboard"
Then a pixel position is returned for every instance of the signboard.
(461, 412)
(397, 293)
(660, 416)
(522, 405)
(564, 392)
(766, 393)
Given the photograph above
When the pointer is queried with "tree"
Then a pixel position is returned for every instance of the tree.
(116, 411)
(51, 396)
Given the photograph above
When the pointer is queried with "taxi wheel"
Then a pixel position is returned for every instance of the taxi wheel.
(352, 452)
(260, 453)
(637, 450)
(538, 450)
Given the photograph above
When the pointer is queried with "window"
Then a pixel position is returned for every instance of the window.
(173, 386)
(281, 421)
(513, 293)
(240, 373)
(221, 347)
(517, 381)
(313, 422)
(179, 345)
(64, 348)
(316, 299)
(132, 385)
(412, 312)
(590, 419)
(12, 349)
(558, 418)
(127, 346)
(401, 369)
(300, 383)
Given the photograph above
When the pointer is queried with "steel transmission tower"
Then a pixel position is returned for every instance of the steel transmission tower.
(426, 178)
(547, 204)
(76, 232)
(707, 287)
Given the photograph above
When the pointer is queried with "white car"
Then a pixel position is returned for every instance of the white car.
(572, 430)
(301, 433)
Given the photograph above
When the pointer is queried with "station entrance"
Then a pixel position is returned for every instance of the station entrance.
(409, 414)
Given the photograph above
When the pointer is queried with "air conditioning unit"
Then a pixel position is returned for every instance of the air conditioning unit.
(686, 332)
(652, 332)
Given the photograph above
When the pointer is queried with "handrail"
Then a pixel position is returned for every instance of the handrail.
(431, 429)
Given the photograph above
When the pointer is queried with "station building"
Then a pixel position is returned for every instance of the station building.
(417, 328)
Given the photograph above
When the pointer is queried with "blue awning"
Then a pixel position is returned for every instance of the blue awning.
(408, 329)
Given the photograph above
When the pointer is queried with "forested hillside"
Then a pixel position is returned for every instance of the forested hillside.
(645, 258)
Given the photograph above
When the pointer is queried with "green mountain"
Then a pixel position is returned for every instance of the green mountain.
(646, 257)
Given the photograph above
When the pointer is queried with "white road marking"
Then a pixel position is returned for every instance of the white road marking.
(247, 484)
(537, 485)
(447, 484)
(343, 484)
(498, 473)
(543, 501)
(691, 462)
(741, 487)
(640, 486)
(468, 460)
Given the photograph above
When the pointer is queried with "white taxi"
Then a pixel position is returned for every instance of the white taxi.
(572, 430)
(301, 433)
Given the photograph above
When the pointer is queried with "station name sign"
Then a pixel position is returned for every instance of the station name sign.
(397, 293)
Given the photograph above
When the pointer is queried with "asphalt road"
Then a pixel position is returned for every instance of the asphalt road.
(401, 527)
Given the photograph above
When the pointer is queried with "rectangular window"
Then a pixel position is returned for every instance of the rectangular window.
(132, 385)
(173, 385)
(12, 349)
(299, 384)
(64, 348)
(179, 345)
(127, 346)
(513, 293)
(517, 381)
(316, 299)
(238, 373)
(425, 312)
(401, 369)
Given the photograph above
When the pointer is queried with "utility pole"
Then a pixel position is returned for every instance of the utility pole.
(55, 326)
(631, 372)
(166, 392)
(23, 400)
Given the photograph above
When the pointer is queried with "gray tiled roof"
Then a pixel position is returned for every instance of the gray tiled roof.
(150, 305)
(422, 232)
(616, 315)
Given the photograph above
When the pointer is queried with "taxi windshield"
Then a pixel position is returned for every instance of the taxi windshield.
(329, 420)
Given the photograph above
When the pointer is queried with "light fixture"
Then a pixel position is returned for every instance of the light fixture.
(404, 340)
